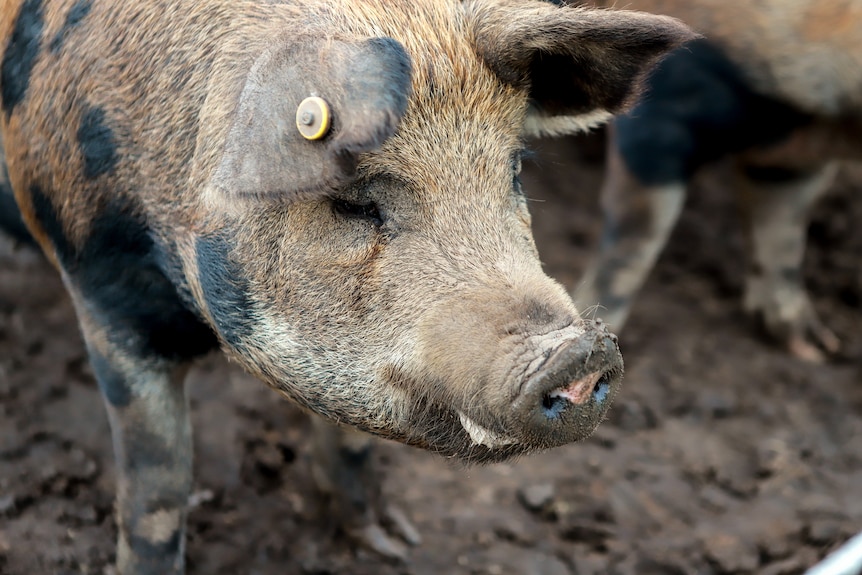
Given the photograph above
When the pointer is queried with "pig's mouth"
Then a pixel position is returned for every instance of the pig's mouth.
(561, 402)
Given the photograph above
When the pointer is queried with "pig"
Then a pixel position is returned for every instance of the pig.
(328, 193)
(774, 89)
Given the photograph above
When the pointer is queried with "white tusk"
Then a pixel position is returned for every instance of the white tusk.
(482, 435)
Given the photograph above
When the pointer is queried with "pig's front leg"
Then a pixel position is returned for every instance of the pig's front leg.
(344, 470)
(151, 432)
(776, 202)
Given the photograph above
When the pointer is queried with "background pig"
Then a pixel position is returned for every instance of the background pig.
(382, 276)
(777, 87)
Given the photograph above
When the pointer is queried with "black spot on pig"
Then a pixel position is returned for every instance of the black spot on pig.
(225, 290)
(97, 142)
(22, 49)
(74, 17)
(119, 270)
(50, 222)
(149, 450)
(697, 108)
(114, 386)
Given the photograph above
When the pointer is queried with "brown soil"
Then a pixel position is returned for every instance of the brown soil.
(721, 455)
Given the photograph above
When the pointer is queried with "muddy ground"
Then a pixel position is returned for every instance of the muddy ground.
(722, 455)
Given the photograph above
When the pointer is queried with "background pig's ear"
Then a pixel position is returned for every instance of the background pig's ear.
(366, 85)
(579, 65)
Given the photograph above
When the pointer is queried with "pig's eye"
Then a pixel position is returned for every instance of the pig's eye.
(367, 211)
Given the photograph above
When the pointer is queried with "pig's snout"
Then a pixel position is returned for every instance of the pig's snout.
(569, 395)
(521, 374)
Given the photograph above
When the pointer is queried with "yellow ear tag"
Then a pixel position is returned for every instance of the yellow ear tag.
(312, 118)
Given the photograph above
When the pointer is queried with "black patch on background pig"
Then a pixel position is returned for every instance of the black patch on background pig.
(77, 13)
(119, 270)
(112, 383)
(97, 143)
(10, 217)
(225, 289)
(696, 109)
(22, 49)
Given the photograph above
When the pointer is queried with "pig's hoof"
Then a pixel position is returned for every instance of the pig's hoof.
(819, 339)
(796, 325)
(401, 525)
(375, 538)
(387, 537)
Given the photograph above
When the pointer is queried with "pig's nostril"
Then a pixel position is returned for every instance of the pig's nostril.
(602, 388)
(555, 402)
(553, 405)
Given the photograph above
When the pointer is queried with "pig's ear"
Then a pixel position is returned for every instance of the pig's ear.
(363, 88)
(579, 65)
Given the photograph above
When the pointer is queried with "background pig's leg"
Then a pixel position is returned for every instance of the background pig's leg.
(344, 470)
(699, 109)
(637, 222)
(776, 202)
(151, 432)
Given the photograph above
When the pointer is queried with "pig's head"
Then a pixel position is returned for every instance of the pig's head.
(385, 275)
